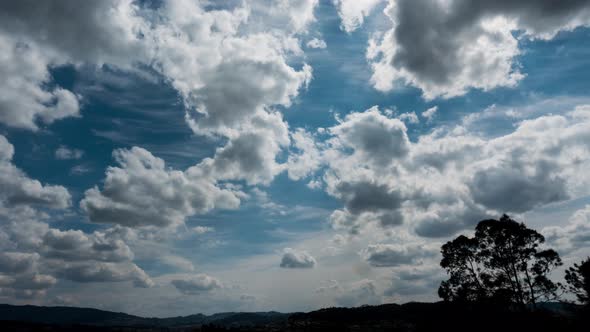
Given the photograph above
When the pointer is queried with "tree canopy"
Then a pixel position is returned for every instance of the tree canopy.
(578, 280)
(502, 263)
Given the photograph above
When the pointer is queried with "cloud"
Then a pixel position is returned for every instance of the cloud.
(446, 48)
(410, 117)
(26, 286)
(449, 179)
(143, 192)
(316, 43)
(65, 153)
(35, 256)
(20, 190)
(202, 229)
(104, 272)
(574, 235)
(16, 262)
(58, 33)
(430, 113)
(388, 255)
(305, 156)
(412, 282)
(74, 245)
(196, 284)
(353, 12)
(250, 155)
(293, 259)
(359, 293)
(26, 101)
(373, 136)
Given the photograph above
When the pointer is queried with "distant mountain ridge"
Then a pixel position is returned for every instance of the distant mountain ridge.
(412, 317)
(97, 317)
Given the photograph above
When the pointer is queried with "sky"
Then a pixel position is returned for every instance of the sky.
(166, 158)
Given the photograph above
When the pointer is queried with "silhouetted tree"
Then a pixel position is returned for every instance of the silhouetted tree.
(502, 263)
(578, 280)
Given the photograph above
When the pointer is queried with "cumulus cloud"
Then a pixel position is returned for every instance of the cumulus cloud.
(430, 113)
(305, 156)
(229, 69)
(409, 117)
(17, 262)
(143, 192)
(373, 136)
(58, 33)
(574, 235)
(316, 43)
(353, 12)
(35, 256)
(20, 190)
(250, 155)
(445, 48)
(294, 259)
(74, 245)
(449, 179)
(196, 284)
(104, 272)
(26, 286)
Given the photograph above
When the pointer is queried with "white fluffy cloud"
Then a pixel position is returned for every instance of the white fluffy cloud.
(445, 48)
(449, 179)
(574, 235)
(230, 69)
(35, 256)
(353, 12)
(53, 34)
(294, 259)
(410, 117)
(430, 113)
(143, 192)
(196, 284)
(316, 43)
(20, 190)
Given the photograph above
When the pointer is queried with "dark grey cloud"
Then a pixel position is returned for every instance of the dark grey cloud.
(293, 259)
(17, 262)
(74, 245)
(511, 189)
(103, 272)
(98, 32)
(438, 46)
(374, 136)
(388, 255)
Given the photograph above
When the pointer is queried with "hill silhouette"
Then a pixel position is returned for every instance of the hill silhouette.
(388, 317)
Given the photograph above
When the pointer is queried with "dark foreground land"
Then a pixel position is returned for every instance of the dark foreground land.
(389, 317)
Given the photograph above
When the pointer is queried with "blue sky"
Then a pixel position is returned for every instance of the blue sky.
(215, 145)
